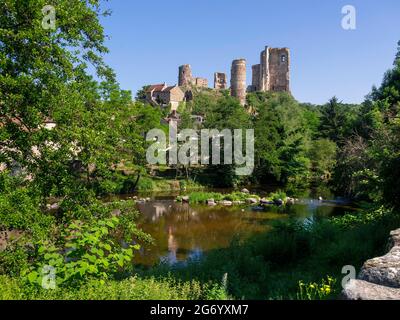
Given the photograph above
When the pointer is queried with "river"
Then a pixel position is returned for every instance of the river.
(183, 231)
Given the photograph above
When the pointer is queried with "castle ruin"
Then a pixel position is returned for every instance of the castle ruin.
(271, 74)
(186, 78)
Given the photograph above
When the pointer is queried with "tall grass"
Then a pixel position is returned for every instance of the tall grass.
(133, 288)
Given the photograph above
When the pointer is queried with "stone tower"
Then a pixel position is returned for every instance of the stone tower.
(273, 72)
(238, 80)
(185, 75)
(220, 80)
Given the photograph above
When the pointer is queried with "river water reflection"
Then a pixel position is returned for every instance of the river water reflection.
(183, 231)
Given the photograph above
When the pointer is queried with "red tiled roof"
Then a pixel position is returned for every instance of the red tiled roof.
(156, 87)
(169, 88)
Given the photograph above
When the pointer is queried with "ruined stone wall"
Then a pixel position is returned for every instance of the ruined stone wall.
(200, 82)
(255, 81)
(220, 80)
(186, 78)
(273, 72)
(185, 75)
(279, 69)
(238, 80)
(264, 70)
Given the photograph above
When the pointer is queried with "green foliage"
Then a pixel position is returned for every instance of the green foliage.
(13, 259)
(202, 197)
(368, 163)
(220, 112)
(19, 208)
(351, 220)
(281, 138)
(89, 251)
(162, 184)
(133, 288)
(278, 195)
(337, 120)
(323, 157)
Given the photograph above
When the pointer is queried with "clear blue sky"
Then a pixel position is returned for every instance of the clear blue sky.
(150, 39)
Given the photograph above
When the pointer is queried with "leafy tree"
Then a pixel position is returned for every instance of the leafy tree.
(44, 75)
(323, 157)
(368, 163)
(141, 94)
(337, 120)
(282, 138)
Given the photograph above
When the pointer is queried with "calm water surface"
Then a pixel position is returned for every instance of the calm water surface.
(183, 231)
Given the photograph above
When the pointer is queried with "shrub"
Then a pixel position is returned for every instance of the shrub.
(19, 209)
(90, 251)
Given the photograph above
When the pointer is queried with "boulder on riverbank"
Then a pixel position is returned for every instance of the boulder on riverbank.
(364, 290)
(383, 270)
(379, 278)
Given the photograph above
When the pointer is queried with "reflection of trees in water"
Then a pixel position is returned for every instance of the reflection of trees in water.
(181, 230)
(173, 246)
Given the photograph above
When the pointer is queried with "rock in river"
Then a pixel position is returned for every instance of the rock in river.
(225, 203)
(251, 200)
(211, 202)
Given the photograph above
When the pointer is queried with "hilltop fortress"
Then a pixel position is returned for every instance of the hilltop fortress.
(271, 74)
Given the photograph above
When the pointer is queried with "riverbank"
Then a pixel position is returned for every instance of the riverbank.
(274, 264)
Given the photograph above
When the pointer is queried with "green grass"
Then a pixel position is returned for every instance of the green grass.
(133, 288)
(202, 197)
(162, 184)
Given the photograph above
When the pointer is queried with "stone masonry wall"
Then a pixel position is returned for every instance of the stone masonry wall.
(238, 80)
(220, 80)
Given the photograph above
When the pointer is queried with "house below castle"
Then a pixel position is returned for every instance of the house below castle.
(164, 96)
